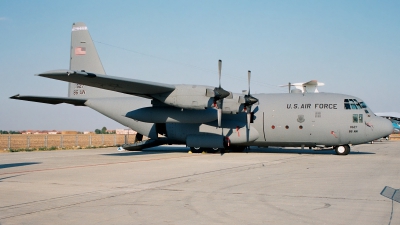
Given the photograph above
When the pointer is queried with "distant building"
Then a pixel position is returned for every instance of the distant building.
(125, 131)
(39, 132)
(27, 132)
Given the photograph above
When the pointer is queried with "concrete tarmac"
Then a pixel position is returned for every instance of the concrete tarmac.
(166, 185)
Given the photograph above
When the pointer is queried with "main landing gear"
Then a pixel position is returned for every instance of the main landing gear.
(203, 150)
(342, 150)
(214, 150)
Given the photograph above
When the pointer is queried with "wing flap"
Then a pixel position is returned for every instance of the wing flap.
(50, 100)
(112, 83)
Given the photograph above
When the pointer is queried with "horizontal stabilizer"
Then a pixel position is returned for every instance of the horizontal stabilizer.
(50, 100)
(112, 83)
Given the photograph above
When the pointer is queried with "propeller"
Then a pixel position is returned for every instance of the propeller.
(219, 95)
(249, 100)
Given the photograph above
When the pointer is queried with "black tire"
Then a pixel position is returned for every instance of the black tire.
(196, 149)
(342, 150)
(201, 150)
(212, 150)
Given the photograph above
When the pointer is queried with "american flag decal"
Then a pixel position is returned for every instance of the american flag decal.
(80, 51)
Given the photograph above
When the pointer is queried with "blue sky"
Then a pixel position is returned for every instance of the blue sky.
(351, 46)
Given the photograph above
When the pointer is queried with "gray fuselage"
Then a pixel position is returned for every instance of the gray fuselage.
(297, 120)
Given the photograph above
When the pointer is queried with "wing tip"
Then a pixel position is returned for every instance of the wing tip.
(15, 96)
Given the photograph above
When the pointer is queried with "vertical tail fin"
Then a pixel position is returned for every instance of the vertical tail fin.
(83, 52)
(84, 56)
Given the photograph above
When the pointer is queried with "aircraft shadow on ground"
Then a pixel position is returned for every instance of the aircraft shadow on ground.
(4, 178)
(176, 149)
(149, 151)
(4, 166)
(301, 151)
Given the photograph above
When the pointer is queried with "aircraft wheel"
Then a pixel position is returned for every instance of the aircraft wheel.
(342, 150)
(212, 150)
(196, 149)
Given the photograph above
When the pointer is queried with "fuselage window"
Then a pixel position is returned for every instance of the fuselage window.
(355, 118)
(360, 118)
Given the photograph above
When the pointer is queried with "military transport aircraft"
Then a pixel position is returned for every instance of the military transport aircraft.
(205, 117)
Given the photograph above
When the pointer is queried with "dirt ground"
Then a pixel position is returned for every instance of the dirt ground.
(58, 141)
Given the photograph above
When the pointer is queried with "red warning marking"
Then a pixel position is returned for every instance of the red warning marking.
(228, 141)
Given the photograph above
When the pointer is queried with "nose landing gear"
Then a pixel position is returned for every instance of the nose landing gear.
(342, 149)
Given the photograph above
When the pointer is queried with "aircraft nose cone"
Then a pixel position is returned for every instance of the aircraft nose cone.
(383, 126)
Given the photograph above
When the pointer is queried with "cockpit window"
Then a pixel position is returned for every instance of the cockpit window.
(357, 104)
(353, 104)
(346, 104)
(363, 105)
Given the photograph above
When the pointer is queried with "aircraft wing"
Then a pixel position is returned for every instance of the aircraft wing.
(112, 83)
(389, 114)
(50, 100)
(311, 82)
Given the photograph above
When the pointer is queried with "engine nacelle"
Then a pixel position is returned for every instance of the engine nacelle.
(199, 97)
(187, 97)
(231, 133)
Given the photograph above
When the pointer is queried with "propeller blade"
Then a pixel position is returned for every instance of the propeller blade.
(219, 71)
(248, 116)
(248, 77)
